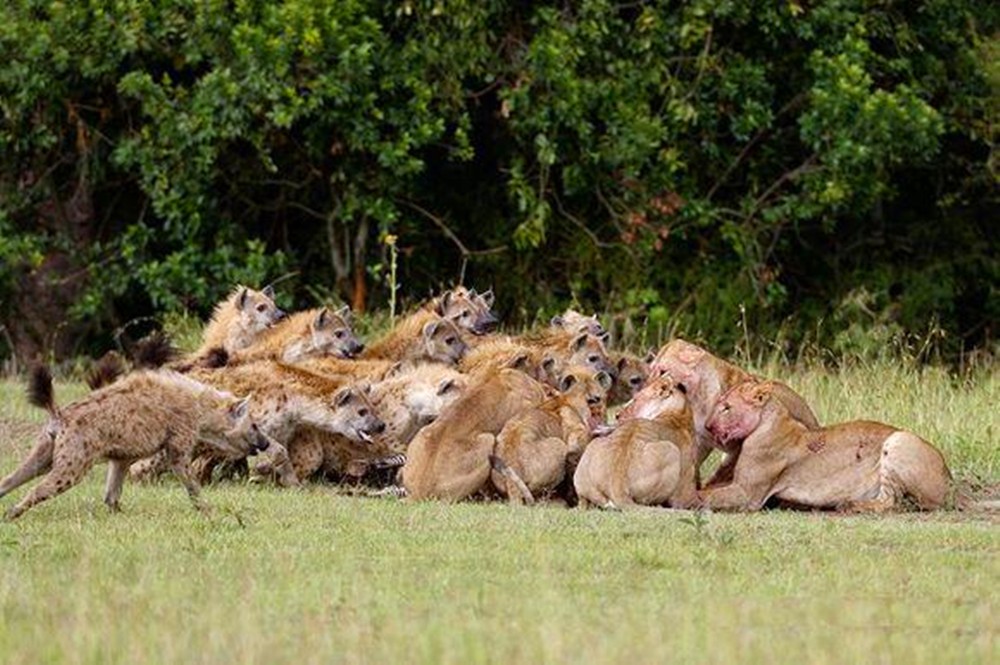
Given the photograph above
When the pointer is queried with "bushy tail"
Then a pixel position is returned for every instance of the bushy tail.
(153, 351)
(106, 370)
(513, 479)
(40, 391)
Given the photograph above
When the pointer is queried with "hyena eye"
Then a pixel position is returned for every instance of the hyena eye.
(465, 314)
(593, 359)
(449, 340)
(339, 334)
(363, 413)
(635, 380)
(261, 307)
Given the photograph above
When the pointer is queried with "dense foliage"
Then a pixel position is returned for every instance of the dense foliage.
(827, 168)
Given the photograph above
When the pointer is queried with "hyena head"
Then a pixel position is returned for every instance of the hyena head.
(575, 322)
(232, 425)
(442, 342)
(586, 349)
(332, 334)
(738, 412)
(662, 396)
(592, 387)
(256, 309)
(631, 375)
(354, 414)
(468, 310)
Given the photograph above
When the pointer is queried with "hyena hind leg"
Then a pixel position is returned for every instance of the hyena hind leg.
(66, 472)
(39, 461)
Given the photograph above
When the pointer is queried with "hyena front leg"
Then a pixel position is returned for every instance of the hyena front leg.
(179, 459)
(117, 470)
(38, 462)
(67, 470)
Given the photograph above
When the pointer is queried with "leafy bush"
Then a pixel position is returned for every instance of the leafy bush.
(670, 163)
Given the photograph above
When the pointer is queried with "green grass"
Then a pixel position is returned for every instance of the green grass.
(316, 576)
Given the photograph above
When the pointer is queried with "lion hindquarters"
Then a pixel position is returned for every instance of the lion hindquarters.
(913, 467)
(654, 473)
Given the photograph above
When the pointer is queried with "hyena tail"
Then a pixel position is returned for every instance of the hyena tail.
(40, 391)
(106, 370)
(153, 351)
(513, 480)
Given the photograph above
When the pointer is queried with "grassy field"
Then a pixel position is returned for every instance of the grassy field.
(316, 576)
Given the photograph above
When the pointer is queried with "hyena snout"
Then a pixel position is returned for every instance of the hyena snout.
(353, 347)
(486, 324)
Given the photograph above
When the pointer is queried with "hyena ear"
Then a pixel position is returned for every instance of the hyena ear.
(520, 361)
(431, 328)
(343, 396)
(446, 386)
(605, 337)
(650, 356)
(472, 294)
(344, 313)
(241, 299)
(488, 298)
(679, 387)
(622, 362)
(239, 411)
(604, 379)
(268, 291)
(548, 364)
(396, 368)
(443, 302)
(567, 382)
(579, 342)
(556, 321)
(322, 320)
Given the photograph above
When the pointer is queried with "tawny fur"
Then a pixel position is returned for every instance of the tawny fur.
(287, 398)
(631, 373)
(421, 336)
(648, 460)
(307, 334)
(706, 377)
(467, 309)
(544, 356)
(407, 401)
(239, 319)
(859, 466)
(449, 459)
(539, 445)
(135, 417)
(574, 322)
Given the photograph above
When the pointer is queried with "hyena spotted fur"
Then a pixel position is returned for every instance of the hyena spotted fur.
(139, 415)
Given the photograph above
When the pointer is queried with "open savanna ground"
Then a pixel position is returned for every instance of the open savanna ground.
(315, 575)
